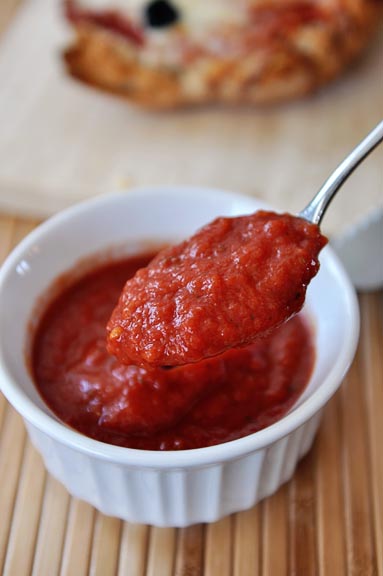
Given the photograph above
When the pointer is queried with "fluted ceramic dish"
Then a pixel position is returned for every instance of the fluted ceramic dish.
(163, 488)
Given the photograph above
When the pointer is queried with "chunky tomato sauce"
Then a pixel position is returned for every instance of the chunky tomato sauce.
(209, 402)
(233, 281)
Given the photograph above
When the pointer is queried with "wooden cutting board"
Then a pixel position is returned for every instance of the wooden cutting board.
(61, 142)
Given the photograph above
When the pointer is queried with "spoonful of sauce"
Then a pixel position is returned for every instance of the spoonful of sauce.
(233, 281)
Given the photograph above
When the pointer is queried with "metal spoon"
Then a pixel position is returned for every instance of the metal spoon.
(316, 209)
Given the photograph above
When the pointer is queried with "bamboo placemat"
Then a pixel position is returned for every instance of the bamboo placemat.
(327, 521)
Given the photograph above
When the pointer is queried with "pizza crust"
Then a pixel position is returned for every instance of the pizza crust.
(287, 66)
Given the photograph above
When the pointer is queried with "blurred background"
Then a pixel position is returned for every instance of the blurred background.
(61, 141)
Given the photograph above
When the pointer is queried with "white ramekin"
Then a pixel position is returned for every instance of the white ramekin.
(163, 488)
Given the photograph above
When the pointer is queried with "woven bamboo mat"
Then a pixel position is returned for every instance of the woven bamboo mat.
(327, 521)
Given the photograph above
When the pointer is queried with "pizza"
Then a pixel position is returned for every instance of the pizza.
(170, 53)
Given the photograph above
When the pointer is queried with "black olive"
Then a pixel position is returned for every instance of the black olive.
(161, 14)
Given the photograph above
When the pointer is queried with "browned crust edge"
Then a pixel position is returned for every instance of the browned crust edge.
(282, 71)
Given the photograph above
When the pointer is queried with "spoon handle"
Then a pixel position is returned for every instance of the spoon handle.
(315, 210)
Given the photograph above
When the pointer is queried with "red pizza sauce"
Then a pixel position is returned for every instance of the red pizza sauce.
(206, 403)
(261, 29)
(111, 20)
(233, 281)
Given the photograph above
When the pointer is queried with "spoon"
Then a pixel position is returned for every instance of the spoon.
(233, 281)
(316, 209)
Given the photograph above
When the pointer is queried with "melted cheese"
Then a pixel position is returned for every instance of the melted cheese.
(195, 14)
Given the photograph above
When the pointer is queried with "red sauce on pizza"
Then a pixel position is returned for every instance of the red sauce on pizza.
(233, 281)
(111, 20)
(265, 21)
(209, 402)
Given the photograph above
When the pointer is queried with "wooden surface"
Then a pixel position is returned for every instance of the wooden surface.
(328, 521)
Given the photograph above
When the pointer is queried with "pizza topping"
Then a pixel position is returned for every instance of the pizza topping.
(161, 14)
(178, 32)
(111, 20)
